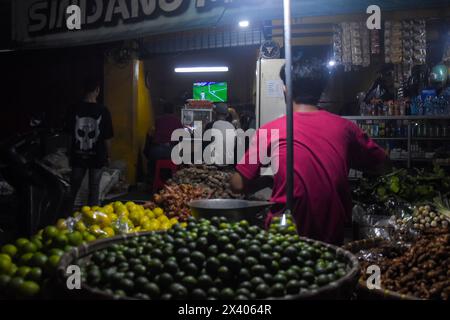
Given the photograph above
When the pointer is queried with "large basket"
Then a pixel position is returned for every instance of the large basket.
(362, 291)
(343, 288)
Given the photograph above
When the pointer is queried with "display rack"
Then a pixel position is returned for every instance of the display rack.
(409, 136)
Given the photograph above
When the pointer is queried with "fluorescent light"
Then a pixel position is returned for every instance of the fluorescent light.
(331, 63)
(201, 69)
(244, 23)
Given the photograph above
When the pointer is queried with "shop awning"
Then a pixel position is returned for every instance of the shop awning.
(42, 23)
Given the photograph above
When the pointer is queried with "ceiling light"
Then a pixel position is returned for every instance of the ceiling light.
(244, 23)
(201, 69)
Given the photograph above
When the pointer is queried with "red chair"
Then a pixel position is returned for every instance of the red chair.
(158, 182)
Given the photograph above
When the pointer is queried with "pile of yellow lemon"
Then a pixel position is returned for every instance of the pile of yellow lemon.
(117, 217)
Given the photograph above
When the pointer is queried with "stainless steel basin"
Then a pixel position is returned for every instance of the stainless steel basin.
(233, 209)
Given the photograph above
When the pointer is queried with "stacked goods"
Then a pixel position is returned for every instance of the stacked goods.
(212, 259)
(174, 199)
(215, 180)
(27, 265)
(421, 271)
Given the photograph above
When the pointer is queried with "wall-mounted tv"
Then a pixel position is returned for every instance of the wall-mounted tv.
(213, 91)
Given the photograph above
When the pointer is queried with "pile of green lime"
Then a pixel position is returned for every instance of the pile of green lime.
(212, 259)
(28, 264)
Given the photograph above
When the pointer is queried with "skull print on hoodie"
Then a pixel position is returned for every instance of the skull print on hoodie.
(90, 126)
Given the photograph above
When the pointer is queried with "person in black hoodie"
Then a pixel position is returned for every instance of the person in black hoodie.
(90, 127)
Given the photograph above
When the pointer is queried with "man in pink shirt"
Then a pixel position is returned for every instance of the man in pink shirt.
(325, 147)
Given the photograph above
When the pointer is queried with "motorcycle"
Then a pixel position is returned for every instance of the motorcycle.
(43, 195)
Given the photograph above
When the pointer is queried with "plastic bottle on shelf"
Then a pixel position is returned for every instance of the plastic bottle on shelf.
(415, 129)
(437, 131)
(382, 126)
(398, 129)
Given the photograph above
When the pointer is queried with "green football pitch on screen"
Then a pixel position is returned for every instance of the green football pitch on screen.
(213, 91)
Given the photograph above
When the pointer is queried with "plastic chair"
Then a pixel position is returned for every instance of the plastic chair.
(161, 165)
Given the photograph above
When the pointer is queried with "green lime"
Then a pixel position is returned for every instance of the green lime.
(29, 289)
(4, 281)
(277, 290)
(227, 294)
(75, 238)
(29, 247)
(198, 294)
(51, 232)
(53, 261)
(39, 260)
(23, 271)
(35, 274)
(15, 284)
(56, 252)
(9, 249)
(25, 259)
(165, 280)
(90, 238)
(6, 257)
(21, 242)
(152, 290)
(37, 242)
(262, 290)
(5, 266)
(293, 287)
(61, 240)
(178, 291)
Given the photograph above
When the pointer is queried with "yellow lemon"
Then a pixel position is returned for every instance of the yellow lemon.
(149, 213)
(143, 220)
(146, 226)
(173, 221)
(163, 219)
(96, 208)
(94, 229)
(134, 216)
(88, 216)
(85, 209)
(165, 226)
(109, 231)
(184, 224)
(130, 206)
(77, 215)
(105, 221)
(158, 212)
(155, 224)
(112, 216)
(80, 226)
(108, 209)
(61, 224)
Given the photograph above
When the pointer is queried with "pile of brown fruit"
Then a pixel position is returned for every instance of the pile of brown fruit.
(174, 199)
(215, 180)
(422, 270)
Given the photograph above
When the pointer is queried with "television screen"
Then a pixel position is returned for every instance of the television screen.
(213, 91)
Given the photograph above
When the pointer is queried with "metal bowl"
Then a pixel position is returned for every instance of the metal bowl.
(233, 209)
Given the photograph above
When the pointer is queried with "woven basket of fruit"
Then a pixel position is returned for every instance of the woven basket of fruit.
(211, 259)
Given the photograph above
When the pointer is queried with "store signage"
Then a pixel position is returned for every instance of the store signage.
(43, 21)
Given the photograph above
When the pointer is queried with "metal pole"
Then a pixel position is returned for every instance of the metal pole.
(289, 110)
